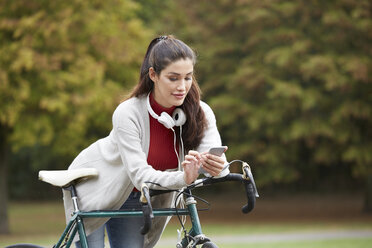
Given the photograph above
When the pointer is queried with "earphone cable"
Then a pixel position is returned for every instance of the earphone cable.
(182, 148)
(174, 147)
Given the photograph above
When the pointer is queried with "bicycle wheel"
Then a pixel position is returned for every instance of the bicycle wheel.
(209, 245)
(24, 246)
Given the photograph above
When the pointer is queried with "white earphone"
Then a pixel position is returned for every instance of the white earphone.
(178, 117)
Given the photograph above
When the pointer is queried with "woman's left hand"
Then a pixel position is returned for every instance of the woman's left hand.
(212, 164)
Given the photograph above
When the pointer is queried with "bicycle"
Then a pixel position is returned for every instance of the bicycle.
(67, 179)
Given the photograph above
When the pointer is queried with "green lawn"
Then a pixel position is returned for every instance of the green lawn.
(40, 223)
(341, 243)
(218, 230)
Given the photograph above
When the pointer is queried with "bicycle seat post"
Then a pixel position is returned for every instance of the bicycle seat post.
(72, 190)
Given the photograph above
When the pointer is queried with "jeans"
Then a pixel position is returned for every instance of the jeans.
(122, 232)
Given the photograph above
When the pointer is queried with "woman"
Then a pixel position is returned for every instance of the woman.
(151, 130)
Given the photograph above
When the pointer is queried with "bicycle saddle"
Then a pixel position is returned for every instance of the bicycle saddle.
(63, 178)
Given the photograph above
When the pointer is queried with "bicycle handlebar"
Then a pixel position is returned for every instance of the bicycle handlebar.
(246, 178)
(146, 208)
(251, 198)
(249, 186)
(250, 189)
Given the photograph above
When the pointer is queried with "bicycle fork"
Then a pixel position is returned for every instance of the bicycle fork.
(195, 236)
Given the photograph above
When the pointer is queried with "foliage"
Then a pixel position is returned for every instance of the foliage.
(63, 68)
(289, 82)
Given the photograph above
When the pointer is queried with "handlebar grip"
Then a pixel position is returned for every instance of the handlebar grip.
(251, 198)
(146, 209)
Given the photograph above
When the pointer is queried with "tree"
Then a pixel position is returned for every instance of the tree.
(290, 84)
(63, 68)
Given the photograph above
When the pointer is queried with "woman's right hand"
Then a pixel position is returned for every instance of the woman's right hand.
(191, 166)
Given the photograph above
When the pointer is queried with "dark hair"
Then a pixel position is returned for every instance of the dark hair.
(160, 53)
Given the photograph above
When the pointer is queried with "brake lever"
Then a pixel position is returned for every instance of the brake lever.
(247, 175)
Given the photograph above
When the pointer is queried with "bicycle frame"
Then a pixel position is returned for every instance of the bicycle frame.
(190, 240)
(76, 225)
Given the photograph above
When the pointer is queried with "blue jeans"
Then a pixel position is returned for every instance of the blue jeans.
(122, 232)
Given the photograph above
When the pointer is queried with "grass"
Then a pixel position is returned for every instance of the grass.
(220, 228)
(41, 223)
(34, 222)
(342, 243)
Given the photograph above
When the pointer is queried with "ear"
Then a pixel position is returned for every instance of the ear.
(153, 75)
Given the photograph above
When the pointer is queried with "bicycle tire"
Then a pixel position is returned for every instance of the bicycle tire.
(209, 245)
(24, 246)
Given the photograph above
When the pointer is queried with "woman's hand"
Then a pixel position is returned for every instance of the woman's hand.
(191, 166)
(212, 164)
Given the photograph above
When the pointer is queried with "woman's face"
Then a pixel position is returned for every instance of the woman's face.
(173, 83)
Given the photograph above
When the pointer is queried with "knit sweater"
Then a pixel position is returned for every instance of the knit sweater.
(162, 155)
(121, 160)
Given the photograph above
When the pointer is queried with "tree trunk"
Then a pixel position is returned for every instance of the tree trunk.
(4, 153)
(368, 195)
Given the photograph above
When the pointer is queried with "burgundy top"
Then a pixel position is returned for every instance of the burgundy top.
(161, 151)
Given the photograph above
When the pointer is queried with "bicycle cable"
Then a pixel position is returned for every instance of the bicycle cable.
(182, 192)
(179, 216)
(68, 235)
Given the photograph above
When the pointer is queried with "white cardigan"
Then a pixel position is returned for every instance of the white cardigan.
(121, 160)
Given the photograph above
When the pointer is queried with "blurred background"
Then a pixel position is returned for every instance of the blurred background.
(289, 81)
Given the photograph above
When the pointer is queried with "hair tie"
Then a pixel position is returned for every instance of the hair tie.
(163, 37)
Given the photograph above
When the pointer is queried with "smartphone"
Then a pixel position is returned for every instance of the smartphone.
(218, 150)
